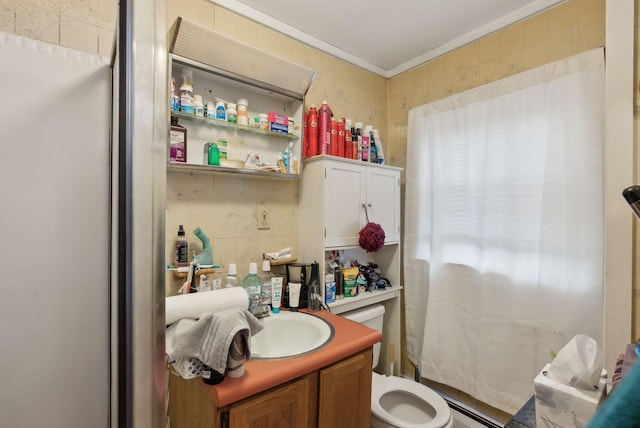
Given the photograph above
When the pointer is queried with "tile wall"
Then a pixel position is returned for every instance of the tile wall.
(225, 207)
(85, 25)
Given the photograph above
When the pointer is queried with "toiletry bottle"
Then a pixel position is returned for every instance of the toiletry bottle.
(266, 291)
(204, 285)
(312, 125)
(232, 279)
(252, 283)
(376, 135)
(373, 149)
(178, 142)
(181, 248)
(324, 129)
(348, 138)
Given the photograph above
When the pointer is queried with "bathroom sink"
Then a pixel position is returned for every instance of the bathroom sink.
(290, 334)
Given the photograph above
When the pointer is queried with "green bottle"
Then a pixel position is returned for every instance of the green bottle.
(214, 154)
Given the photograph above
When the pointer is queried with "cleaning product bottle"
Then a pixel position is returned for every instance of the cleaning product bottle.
(181, 248)
(232, 279)
(376, 134)
(373, 149)
(206, 256)
(266, 291)
(252, 283)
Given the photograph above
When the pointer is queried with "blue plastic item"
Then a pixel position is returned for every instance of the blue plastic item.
(206, 256)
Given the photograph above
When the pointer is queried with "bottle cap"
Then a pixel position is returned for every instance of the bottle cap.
(232, 270)
(275, 310)
(266, 266)
(242, 101)
(180, 230)
(253, 268)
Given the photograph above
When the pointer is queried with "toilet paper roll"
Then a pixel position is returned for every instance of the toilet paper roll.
(194, 305)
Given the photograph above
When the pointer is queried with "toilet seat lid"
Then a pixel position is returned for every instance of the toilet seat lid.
(382, 385)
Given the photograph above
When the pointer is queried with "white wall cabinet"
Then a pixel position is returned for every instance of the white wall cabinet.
(349, 188)
(333, 194)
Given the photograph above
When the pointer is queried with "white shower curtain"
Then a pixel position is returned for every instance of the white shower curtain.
(504, 228)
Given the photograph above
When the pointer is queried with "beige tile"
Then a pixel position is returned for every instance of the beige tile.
(107, 14)
(175, 9)
(489, 48)
(511, 63)
(512, 39)
(590, 11)
(247, 31)
(38, 28)
(105, 42)
(592, 35)
(265, 38)
(536, 30)
(79, 35)
(535, 55)
(84, 11)
(225, 21)
(202, 13)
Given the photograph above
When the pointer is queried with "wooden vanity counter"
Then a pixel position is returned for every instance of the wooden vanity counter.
(260, 375)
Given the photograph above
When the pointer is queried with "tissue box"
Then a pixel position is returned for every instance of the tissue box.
(562, 406)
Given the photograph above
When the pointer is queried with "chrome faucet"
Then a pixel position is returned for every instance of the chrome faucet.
(258, 309)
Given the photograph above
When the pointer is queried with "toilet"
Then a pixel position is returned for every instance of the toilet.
(398, 402)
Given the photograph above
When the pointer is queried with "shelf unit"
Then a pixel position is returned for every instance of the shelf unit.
(211, 169)
(228, 69)
(332, 197)
(235, 126)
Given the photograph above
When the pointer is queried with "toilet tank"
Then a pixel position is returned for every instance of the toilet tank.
(371, 316)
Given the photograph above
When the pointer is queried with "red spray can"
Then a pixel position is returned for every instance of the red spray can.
(312, 130)
(341, 137)
(348, 145)
(334, 138)
(324, 129)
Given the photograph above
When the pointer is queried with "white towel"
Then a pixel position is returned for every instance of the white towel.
(209, 338)
(194, 305)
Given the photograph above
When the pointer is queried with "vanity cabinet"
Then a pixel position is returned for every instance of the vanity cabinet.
(337, 395)
(345, 393)
(289, 406)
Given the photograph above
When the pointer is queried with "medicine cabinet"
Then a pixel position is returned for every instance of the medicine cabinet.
(228, 69)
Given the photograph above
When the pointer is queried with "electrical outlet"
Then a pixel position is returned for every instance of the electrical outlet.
(264, 217)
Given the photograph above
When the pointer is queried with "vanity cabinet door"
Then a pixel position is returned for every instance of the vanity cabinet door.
(345, 393)
(290, 406)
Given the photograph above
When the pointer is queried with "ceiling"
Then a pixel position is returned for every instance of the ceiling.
(387, 38)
